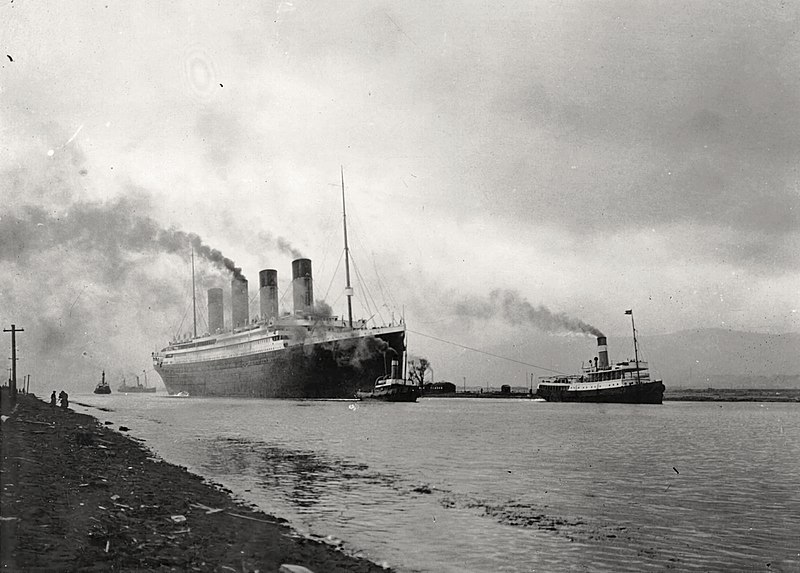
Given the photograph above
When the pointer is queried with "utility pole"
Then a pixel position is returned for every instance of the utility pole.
(14, 330)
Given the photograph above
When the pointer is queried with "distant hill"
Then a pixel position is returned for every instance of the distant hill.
(725, 358)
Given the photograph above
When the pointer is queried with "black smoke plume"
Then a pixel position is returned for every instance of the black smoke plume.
(115, 229)
(509, 306)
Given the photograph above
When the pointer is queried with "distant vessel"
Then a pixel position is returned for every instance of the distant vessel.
(307, 354)
(137, 388)
(103, 387)
(391, 388)
(624, 382)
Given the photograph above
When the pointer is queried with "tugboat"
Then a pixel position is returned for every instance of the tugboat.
(624, 382)
(391, 388)
(103, 387)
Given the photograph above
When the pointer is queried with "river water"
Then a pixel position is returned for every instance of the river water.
(463, 484)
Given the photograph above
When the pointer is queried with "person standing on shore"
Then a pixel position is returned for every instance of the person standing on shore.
(53, 399)
(64, 399)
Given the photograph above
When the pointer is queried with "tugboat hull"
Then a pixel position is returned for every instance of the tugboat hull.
(393, 393)
(646, 393)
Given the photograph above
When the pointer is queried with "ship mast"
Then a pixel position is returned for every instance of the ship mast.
(194, 300)
(635, 346)
(349, 289)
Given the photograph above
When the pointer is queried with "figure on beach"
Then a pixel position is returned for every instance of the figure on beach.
(64, 397)
(53, 399)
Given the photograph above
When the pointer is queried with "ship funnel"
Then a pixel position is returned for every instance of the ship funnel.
(240, 302)
(302, 286)
(602, 352)
(395, 369)
(216, 314)
(268, 293)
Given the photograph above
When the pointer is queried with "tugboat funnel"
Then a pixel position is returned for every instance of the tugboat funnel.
(395, 369)
(602, 353)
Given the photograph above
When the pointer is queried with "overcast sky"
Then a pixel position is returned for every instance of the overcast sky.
(583, 157)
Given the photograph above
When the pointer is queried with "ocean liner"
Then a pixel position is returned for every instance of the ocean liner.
(623, 382)
(305, 354)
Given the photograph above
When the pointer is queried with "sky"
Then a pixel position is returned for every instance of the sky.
(517, 174)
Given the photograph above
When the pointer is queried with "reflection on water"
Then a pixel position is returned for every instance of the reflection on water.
(300, 475)
(504, 485)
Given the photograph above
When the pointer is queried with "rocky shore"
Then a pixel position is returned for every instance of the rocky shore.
(78, 495)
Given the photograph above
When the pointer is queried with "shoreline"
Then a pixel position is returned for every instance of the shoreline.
(79, 495)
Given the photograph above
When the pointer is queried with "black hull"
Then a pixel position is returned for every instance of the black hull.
(105, 390)
(396, 393)
(322, 370)
(648, 393)
(135, 390)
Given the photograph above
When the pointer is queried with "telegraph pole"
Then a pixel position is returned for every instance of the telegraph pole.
(14, 330)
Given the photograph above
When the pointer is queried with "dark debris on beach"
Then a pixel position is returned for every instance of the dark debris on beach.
(79, 496)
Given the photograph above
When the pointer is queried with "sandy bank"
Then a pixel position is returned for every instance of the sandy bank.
(80, 496)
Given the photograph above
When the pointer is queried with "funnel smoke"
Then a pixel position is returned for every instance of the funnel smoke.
(281, 244)
(116, 229)
(509, 306)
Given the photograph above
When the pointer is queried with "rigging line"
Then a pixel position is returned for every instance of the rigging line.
(385, 292)
(368, 294)
(333, 276)
(484, 352)
(180, 325)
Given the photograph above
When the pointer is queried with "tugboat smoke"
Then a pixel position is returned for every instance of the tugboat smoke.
(509, 306)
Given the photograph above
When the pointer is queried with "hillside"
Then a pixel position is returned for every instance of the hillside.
(725, 359)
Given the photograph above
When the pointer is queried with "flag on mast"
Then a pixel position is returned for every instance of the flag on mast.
(629, 311)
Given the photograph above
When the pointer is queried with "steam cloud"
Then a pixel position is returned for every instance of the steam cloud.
(508, 305)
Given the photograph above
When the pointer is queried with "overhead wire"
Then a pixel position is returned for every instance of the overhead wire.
(485, 352)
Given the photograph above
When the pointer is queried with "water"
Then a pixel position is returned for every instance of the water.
(502, 485)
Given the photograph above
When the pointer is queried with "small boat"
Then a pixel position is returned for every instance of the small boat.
(103, 387)
(391, 388)
(626, 382)
(178, 395)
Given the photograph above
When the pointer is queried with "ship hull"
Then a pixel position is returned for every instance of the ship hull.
(321, 370)
(393, 393)
(646, 393)
(136, 390)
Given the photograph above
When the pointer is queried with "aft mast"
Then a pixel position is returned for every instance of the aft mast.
(194, 301)
(348, 289)
(635, 345)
